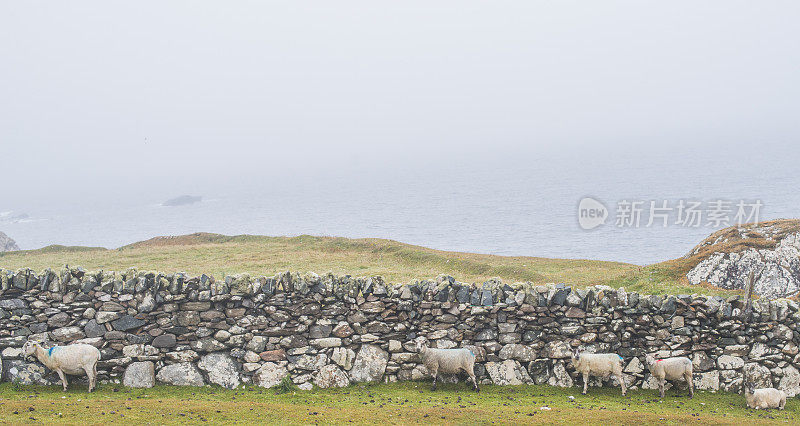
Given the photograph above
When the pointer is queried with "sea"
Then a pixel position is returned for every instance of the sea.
(528, 207)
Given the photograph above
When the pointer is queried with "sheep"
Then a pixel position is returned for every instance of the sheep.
(600, 365)
(73, 359)
(764, 398)
(676, 368)
(448, 361)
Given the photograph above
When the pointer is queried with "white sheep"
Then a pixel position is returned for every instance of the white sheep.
(764, 398)
(676, 368)
(76, 359)
(448, 361)
(600, 365)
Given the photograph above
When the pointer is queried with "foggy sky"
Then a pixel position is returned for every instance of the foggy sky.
(120, 98)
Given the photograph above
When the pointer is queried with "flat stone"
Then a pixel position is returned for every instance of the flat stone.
(127, 323)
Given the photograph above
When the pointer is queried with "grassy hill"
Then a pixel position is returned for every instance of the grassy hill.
(398, 262)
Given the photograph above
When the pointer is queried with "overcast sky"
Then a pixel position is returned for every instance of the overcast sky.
(171, 96)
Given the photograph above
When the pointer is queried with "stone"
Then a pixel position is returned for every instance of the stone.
(166, 341)
(68, 334)
(257, 344)
(148, 303)
(139, 350)
(707, 381)
(26, 373)
(328, 342)
(187, 318)
(778, 267)
(557, 350)
(139, 375)
(181, 374)
(634, 367)
(701, 361)
(343, 357)
(309, 362)
(183, 356)
(58, 320)
(343, 330)
(103, 317)
(208, 344)
(270, 375)
(93, 329)
(126, 323)
(727, 362)
(560, 377)
(221, 370)
(331, 376)
(369, 365)
(508, 372)
(758, 374)
(305, 386)
(522, 353)
(274, 355)
(790, 382)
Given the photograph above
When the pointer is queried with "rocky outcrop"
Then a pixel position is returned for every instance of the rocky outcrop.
(331, 331)
(771, 255)
(7, 244)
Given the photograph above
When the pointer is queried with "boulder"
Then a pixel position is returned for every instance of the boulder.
(269, 375)
(139, 375)
(369, 365)
(331, 376)
(221, 369)
(790, 382)
(166, 340)
(560, 377)
(758, 374)
(28, 373)
(343, 357)
(181, 374)
(522, 353)
(508, 372)
(727, 362)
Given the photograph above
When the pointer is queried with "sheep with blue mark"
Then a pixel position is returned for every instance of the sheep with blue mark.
(448, 361)
(75, 359)
(599, 365)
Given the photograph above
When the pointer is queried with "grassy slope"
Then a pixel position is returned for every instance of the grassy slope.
(398, 262)
(399, 403)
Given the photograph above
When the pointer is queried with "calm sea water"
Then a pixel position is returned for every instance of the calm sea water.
(525, 208)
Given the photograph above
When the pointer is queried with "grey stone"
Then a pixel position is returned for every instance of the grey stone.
(369, 365)
(166, 340)
(331, 376)
(181, 374)
(270, 375)
(221, 370)
(139, 375)
(126, 323)
(93, 329)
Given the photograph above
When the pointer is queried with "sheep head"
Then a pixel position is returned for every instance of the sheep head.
(29, 348)
(749, 387)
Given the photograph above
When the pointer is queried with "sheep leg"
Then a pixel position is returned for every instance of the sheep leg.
(585, 382)
(621, 382)
(90, 377)
(435, 374)
(661, 385)
(471, 372)
(63, 379)
(691, 384)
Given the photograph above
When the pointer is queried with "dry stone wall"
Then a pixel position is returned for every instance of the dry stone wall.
(335, 330)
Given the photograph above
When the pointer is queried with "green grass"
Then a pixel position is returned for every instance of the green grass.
(395, 261)
(397, 403)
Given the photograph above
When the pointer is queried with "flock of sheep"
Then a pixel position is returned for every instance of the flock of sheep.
(79, 359)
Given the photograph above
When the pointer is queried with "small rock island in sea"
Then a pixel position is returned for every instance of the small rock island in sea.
(183, 200)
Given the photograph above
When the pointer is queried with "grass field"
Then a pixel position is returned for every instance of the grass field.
(398, 403)
(397, 262)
